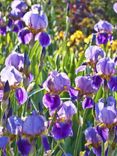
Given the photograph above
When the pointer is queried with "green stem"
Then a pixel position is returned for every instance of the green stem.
(35, 92)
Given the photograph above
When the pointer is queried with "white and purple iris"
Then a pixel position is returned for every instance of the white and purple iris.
(36, 22)
(104, 32)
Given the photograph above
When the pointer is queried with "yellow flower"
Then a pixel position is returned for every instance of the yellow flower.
(88, 39)
(114, 45)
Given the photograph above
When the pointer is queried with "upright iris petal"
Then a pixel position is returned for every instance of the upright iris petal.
(24, 146)
(67, 110)
(93, 53)
(115, 7)
(21, 95)
(33, 125)
(12, 73)
(57, 82)
(16, 60)
(61, 130)
(35, 21)
(106, 67)
(19, 4)
(103, 25)
(89, 87)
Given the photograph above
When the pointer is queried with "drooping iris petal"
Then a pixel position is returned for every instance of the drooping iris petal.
(115, 7)
(25, 36)
(3, 30)
(14, 125)
(97, 151)
(73, 93)
(33, 125)
(88, 103)
(102, 38)
(10, 74)
(3, 141)
(103, 132)
(51, 101)
(43, 38)
(112, 83)
(93, 53)
(45, 143)
(24, 146)
(21, 95)
(61, 130)
(67, 110)
(15, 59)
(96, 81)
(18, 25)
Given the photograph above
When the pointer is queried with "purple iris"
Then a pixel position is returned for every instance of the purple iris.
(106, 67)
(103, 26)
(45, 143)
(112, 83)
(25, 36)
(57, 82)
(18, 25)
(61, 130)
(33, 125)
(11, 74)
(3, 141)
(36, 22)
(106, 114)
(21, 95)
(19, 4)
(14, 125)
(67, 110)
(88, 103)
(15, 14)
(24, 146)
(115, 7)
(93, 53)
(94, 139)
(102, 38)
(90, 85)
(51, 101)
(103, 132)
(15, 59)
(2, 26)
